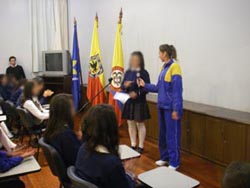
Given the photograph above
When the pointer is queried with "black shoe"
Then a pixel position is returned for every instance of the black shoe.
(133, 147)
(140, 150)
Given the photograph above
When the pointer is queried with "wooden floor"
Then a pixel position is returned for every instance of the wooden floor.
(207, 173)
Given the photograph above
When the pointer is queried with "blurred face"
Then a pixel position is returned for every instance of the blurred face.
(35, 90)
(12, 62)
(163, 56)
(4, 81)
(134, 62)
(39, 87)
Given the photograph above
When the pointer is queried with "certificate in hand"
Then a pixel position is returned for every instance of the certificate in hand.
(122, 97)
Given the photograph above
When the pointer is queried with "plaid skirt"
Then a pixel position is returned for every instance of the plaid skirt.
(135, 111)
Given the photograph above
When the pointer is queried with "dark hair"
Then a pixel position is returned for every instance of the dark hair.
(141, 58)
(22, 82)
(27, 92)
(60, 115)
(169, 49)
(39, 80)
(12, 57)
(237, 175)
(101, 128)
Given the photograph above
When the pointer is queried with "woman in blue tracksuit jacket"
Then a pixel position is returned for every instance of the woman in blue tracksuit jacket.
(170, 103)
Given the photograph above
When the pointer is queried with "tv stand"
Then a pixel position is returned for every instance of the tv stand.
(58, 84)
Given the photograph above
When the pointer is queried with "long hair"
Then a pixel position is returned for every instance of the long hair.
(101, 128)
(141, 58)
(60, 115)
(169, 49)
(27, 92)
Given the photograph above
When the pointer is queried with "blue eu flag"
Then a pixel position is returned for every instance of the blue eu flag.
(76, 69)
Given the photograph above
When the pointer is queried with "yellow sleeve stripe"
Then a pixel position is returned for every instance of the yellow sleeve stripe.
(174, 69)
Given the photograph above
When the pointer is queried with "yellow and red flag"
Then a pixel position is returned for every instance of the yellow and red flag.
(117, 71)
(96, 80)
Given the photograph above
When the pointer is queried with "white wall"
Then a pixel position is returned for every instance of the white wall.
(212, 38)
(15, 37)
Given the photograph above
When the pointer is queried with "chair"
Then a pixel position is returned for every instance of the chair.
(56, 163)
(28, 124)
(78, 182)
(9, 110)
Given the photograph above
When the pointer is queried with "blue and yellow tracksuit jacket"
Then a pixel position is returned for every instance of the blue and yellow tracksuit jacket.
(169, 87)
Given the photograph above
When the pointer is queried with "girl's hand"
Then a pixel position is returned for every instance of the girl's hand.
(127, 83)
(47, 93)
(129, 165)
(133, 95)
(28, 153)
(175, 115)
(140, 82)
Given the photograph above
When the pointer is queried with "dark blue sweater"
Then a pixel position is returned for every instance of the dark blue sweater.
(67, 145)
(102, 169)
(6, 162)
(132, 76)
(5, 92)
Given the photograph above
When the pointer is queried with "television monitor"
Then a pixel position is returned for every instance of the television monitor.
(56, 63)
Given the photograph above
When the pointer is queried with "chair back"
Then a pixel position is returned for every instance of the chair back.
(76, 181)
(55, 162)
(25, 118)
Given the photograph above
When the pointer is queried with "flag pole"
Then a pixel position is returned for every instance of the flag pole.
(75, 24)
(120, 16)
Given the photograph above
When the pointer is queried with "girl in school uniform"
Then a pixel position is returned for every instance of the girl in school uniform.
(98, 158)
(136, 110)
(60, 129)
(31, 103)
(170, 102)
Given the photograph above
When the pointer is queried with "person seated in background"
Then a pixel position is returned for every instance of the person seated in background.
(237, 175)
(98, 159)
(60, 128)
(31, 103)
(14, 69)
(43, 94)
(17, 92)
(8, 161)
(5, 88)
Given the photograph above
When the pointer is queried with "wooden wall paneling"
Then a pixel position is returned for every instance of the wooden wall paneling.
(185, 129)
(196, 124)
(247, 158)
(234, 141)
(214, 139)
(152, 124)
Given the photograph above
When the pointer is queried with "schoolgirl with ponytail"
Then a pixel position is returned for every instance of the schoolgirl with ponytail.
(170, 104)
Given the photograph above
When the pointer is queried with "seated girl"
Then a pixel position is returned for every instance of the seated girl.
(60, 132)
(98, 159)
(5, 88)
(17, 92)
(31, 103)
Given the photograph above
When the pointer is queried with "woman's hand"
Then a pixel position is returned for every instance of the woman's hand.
(127, 84)
(133, 95)
(140, 82)
(175, 115)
